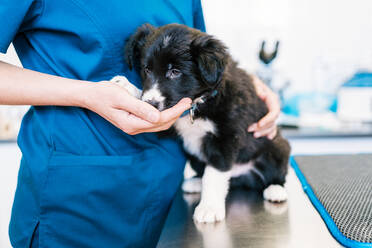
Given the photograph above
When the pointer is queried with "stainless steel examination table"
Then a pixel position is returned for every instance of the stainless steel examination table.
(250, 222)
(253, 222)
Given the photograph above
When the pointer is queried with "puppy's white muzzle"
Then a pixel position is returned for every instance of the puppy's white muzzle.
(154, 97)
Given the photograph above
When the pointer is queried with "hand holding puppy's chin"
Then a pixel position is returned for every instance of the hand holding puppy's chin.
(128, 113)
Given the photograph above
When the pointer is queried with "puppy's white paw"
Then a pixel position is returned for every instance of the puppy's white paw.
(209, 213)
(275, 193)
(123, 82)
(192, 185)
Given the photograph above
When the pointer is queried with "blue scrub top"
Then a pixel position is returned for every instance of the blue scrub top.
(83, 182)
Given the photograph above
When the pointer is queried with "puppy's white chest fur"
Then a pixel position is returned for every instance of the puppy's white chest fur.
(193, 134)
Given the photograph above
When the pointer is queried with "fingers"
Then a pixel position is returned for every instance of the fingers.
(133, 124)
(269, 119)
(266, 126)
(139, 108)
(130, 114)
(158, 128)
(270, 133)
(271, 100)
(128, 122)
(169, 116)
(175, 111)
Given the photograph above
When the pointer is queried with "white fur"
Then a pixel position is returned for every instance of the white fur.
(193, 134)
(275, 193)
(188, 172)
(154, 94)
(242, 169)
(192, 185)
(191, 199)
(166, 40)
(123, 82)
(215, 186)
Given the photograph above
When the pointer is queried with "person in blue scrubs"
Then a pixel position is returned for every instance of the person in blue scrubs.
(85, 179)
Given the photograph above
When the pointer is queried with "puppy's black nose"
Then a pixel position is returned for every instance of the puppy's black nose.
(153, 103)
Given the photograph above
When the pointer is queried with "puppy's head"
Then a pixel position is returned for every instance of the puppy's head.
(174, 62)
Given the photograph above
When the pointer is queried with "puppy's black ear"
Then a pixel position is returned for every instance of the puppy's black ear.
(210, 57)
(134, 45)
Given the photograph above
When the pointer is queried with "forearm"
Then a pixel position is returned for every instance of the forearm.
(114, 103)
(19, 86)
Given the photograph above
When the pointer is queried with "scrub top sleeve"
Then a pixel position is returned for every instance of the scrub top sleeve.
(198, 16)
(15, 15)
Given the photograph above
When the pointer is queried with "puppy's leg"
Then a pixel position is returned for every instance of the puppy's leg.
(274, 166)
(189, 171)
(273, 176)
(215, 186)
(193, 183)
(123, 82)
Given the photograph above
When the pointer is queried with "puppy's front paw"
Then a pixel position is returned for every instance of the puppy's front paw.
(207, 213)
(275, 193)
(123, 82)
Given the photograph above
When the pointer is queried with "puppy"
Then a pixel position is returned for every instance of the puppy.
(176, 61)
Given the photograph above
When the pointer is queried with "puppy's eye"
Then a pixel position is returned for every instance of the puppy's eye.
(147, 70)
(174, 73)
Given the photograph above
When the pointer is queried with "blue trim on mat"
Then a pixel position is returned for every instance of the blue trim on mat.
(336, 233)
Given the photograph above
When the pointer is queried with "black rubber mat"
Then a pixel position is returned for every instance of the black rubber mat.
(340, 187)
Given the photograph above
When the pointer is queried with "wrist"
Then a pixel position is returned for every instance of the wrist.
(82, 93)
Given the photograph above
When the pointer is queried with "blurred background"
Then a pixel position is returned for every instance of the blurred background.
(317, 55)
(323, 58)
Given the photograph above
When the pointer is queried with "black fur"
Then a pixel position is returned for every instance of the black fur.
(135, 45)
(205, 65)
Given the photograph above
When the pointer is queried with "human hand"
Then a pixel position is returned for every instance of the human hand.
(266, 126)
(128, 113)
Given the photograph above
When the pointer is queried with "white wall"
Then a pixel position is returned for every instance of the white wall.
(10, 57)
(322, 41)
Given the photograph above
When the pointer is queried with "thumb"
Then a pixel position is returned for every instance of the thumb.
(175, 111)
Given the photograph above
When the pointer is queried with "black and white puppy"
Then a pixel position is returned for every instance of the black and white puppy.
(176, 61)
